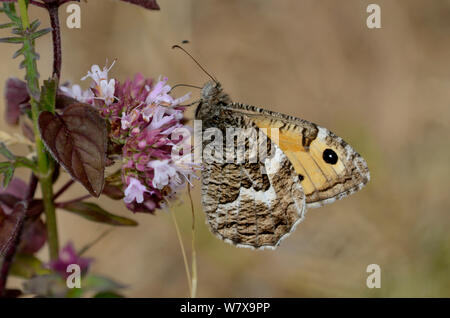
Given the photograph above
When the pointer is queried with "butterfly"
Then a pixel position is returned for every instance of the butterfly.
(257, 203)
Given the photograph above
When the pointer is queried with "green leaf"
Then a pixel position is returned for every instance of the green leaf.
(40, 33)
(99, 284)
(108, 294)
(5, 165)
(93, 212)
(12, 40)
(10, 10)
(24, 162)
(27, 266)
(19, 52)
(48, 95)
(8, 175)
(5, 152)
(6, 25)
(34, 25)
(48, 285)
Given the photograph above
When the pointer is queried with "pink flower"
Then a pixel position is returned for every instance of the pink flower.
(163, 171)
(76, 92)
(134, 191)
(106, 91)
(159, 94)
(68, 256)
(97, 75)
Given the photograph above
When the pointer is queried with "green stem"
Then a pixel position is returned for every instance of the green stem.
(24, 14)
(45, 163)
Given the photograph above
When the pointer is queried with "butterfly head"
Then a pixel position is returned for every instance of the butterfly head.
(212, 93)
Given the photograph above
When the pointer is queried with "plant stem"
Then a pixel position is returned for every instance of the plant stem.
(193, 252)
(45, 164)
(62, 204)
(24, 14)
(63, 189)
(183, 252)
(56, 36)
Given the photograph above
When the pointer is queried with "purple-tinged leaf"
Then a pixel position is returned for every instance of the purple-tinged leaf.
(15, 94)
(78, 140)
(112, 191)
(12, 293)
(147, 4)
(35, 208)
(33, 236)
(63, 101)
(10, 227)
(7, 202)
(93, 212)
(14, 192)
(17, 187)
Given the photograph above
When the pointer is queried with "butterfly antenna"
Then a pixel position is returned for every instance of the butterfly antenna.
(196, 62)
(185, 85)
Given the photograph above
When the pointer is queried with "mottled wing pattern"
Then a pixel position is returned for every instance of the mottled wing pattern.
(253, 204)
(304, 143)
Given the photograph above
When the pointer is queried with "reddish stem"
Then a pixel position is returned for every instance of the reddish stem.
(56, 36)
(63, 189)
(62, 204)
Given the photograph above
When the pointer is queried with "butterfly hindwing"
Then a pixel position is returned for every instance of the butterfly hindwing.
(253, 204)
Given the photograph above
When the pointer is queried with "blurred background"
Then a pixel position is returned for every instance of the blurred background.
(385, 91)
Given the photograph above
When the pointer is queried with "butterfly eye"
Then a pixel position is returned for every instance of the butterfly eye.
(300, 177)
(329, 156)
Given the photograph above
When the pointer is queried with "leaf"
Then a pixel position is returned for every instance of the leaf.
(93, 212)
(112, 191)
(63, 101)
(12, 293)
(5, 152)
(10, 226)
(147, 4)
(108, 294)
(17, 188)
(50, 285)
(40, 33)
(15, 94)
(6, 25)
(12, 39)
(77, 139)
(100, 284)
(8, 201)
(48, 95)
(27, 266)
(8, 175)
(33, 236)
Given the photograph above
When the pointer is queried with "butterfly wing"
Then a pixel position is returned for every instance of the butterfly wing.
(253, 204)
(329, 168)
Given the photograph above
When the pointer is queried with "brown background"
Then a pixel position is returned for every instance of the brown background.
(386, 92)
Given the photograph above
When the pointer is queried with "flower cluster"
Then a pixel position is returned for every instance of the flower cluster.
(68, 256)
(146, 132)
